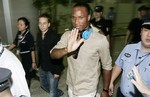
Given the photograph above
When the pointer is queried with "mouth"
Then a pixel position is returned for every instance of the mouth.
(147, 40)
(77, 27)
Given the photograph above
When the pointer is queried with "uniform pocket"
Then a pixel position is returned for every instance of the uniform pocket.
(145, 74)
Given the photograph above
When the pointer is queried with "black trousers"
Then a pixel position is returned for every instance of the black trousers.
(137, 93)
(119, 94)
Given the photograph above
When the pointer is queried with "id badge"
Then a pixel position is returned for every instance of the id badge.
(17, 52)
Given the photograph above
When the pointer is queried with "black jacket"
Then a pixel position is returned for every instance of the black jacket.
(44, 48)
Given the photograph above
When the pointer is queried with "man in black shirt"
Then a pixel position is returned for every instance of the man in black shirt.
(134, 27)
(50, 69)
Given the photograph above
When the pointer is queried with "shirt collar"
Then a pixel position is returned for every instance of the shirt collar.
(139, 47)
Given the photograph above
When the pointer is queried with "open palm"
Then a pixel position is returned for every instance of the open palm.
(73, 42)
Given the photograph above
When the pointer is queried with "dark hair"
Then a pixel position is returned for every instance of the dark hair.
(45, 15)
(143, 7)
(25, 20)
(85, 5)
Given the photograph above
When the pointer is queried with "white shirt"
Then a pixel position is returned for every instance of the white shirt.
(19, 85)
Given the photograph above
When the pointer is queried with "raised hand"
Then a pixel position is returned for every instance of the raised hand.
(138, 81)
(73, 41)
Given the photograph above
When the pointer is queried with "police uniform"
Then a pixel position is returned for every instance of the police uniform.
(103, 24)
(129, 57)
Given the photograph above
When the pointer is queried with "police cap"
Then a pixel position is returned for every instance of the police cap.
(5, 75)
(98, 9)
(143, 7)
(146, 25)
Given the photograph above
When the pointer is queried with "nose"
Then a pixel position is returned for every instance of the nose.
(41, 25)
(76, 21)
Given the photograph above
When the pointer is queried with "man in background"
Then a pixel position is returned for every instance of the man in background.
(134, 27)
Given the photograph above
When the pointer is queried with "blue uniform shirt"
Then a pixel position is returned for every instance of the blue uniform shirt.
(130, 56)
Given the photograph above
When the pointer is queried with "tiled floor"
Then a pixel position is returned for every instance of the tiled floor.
(36, 91)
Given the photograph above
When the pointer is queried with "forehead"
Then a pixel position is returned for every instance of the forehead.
(79, 11)
(43, 19)
(21, 21)
(142, 11)
(146, 28)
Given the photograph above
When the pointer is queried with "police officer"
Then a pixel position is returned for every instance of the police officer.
(100, 22)
(138, 55)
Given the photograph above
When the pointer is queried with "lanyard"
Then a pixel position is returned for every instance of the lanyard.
(145, 56)
(22, 37)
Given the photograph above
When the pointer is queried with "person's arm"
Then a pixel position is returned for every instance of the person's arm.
(31, 44)
(108, 38)
(139, 83)
(107, 77)
(11, 46)
(15, 43)
(73, 44)
(106, 62)
(106, 80)
(115, 73)
(34, 66)
(58, 53)
(108, 29)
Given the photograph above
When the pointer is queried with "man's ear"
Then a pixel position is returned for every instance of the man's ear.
(89, 17)
(27, 27)
(49, 24)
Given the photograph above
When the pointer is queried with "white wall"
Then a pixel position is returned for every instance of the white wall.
(3, 34)
(19, 8)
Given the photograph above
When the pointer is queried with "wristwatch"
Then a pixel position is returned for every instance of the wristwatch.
(105, 90)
